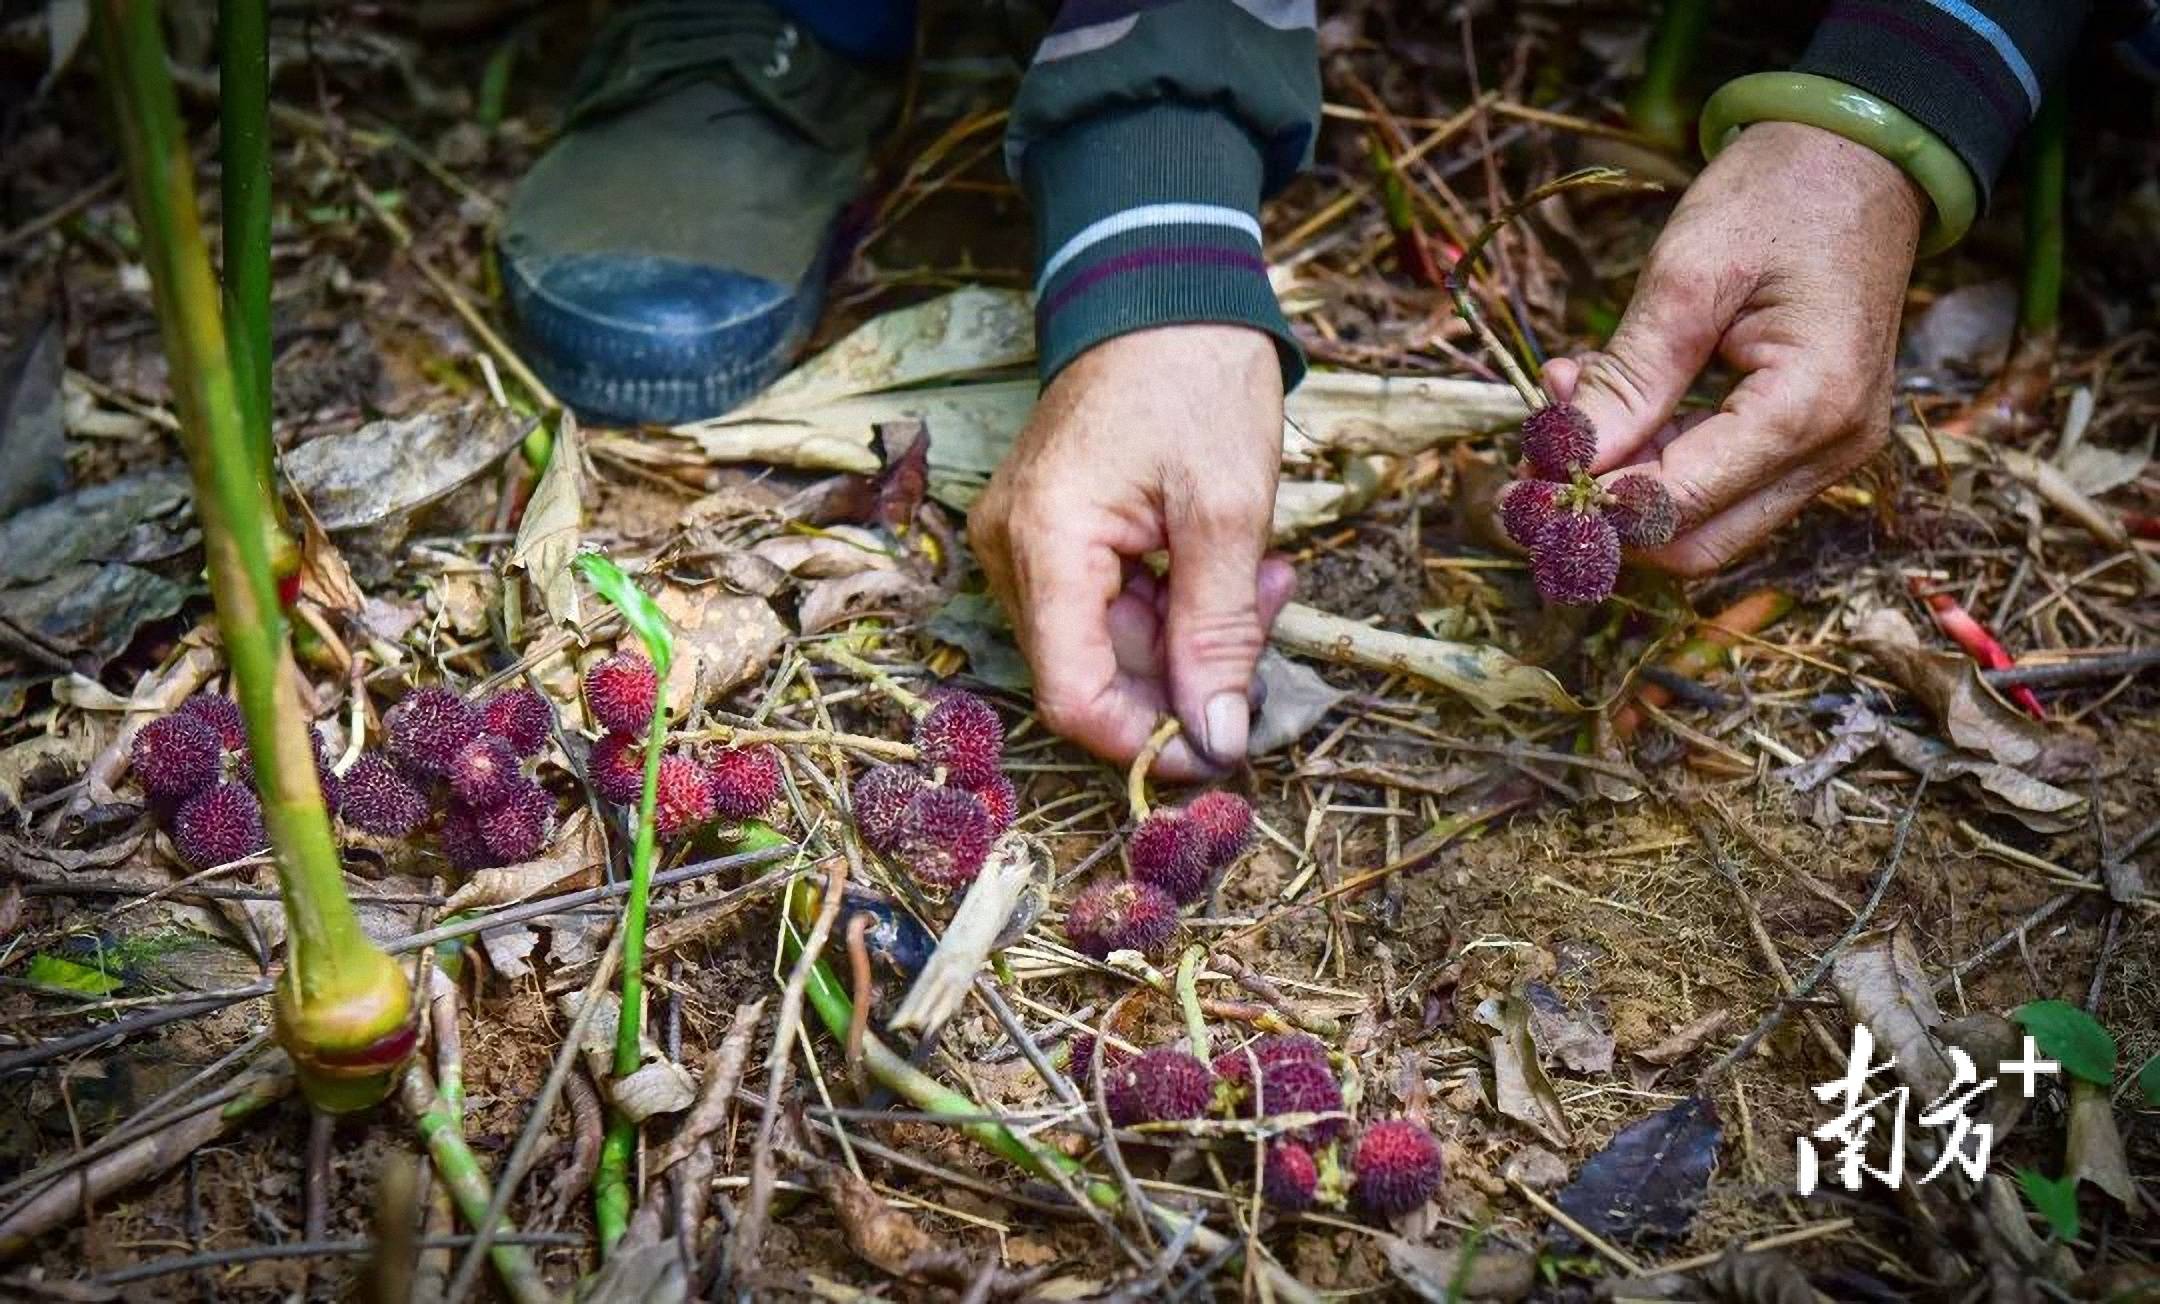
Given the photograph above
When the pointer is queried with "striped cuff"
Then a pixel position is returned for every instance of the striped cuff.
(1970, 71)
(1147, 217)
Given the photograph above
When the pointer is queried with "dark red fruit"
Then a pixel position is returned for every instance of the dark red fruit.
(516, 829)
(621, 691)
(1527, 507)
(1397, 1167)
(218, 825)
(880, 800)
(462, 844)
(427, 730)
(484, 771)
(998, 797)
(1558, 440)
(616, 768)
(1163, 1085)
(1300, 1086)
(378, 799)
(1080, 1060)
(963, 734)
(1119, 914)
(683, 801)
(1576, 561)
(520, 717)
(1169, 852)
(1269, 1051)
(1222, 824)
(222, 714)
(745, 780)
(1641, 512)
(944, 836)
(174, 757)
(1288, 1177)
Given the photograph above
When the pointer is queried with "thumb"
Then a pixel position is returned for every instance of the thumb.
(1215, 628)
(1629, 388)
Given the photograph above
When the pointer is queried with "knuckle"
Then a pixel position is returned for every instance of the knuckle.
(1215, 638)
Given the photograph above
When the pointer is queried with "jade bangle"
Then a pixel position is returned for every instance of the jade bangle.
(1861, 118)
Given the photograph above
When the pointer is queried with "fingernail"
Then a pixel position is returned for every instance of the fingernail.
(1227, 719)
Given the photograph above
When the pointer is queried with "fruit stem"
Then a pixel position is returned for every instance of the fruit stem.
(1136, 774)
(468, 1184)
(1188, 995)
(912, 703)
(340, 996)
(1657, 107)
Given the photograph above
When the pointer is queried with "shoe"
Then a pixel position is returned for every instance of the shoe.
(667, 255)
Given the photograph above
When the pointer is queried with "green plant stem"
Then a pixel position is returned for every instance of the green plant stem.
(460, 1171)
(339, 992)
(1660, 107)
(611, 1182)
(244, 173)
(1188, 995)
(2040, 297)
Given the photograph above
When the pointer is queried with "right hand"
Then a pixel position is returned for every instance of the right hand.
(1167, 438)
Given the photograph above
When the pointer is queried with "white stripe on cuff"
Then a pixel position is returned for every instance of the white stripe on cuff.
(1133, 219)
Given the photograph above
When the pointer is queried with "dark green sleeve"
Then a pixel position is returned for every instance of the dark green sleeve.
(1145, 136)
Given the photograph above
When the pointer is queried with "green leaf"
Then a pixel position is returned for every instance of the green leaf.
(53, 971)
(2148, 1080)
(626, 597)
(2055, 1198)
(2071, 1037)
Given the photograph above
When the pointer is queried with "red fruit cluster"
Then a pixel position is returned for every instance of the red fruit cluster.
(1163, 1085)
(1121, 914)
(941, 830)
(1182, 851)
(381, 800)
(465, 759)
(193, 766)
(1289, 1178)
(621, 691)
(1397, 1166)
(1571, 526)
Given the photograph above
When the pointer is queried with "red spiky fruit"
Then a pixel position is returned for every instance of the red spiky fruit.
(944, 836)
(683, 801)
(223, 716)
(1641, 511)
(880, 799)
(1397, 1166)
(1301, 1086)
(426, 731)
(462, 844)
(218, 825)
(1169, 852)
(1289, 1179)
(962, 733)
(174, 757)
(616, 768)
(516, 828)
(1120, 914)
(1576, 561)
(520, 717)
(998, 797)
(380, 800)
(1527, 507)
(484, 771)
(1558, 440)
(1276, 1048)
(1080, 1060)
(1163, 1085)
(1222, 823)
(620, 691)
(745, 780)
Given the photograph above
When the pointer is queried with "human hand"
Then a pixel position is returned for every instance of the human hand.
(1168, 438)
(1788, 257)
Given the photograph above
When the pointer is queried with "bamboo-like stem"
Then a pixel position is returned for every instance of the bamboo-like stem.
(344, 1008)
(611, 1184)
(1188, 997)
(460, 1170)
(244, 175)
(1136, 774)
(1659, 107)
(2046, 163)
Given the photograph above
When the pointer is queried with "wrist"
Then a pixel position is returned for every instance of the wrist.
(1805, 107)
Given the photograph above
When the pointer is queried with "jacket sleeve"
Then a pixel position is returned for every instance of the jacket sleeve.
(1971, 71)
(1145, 135)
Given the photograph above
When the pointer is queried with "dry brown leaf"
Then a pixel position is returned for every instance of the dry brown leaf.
(885, 1238)
(1883, 986)
(1763, 1278)
(388, 468)
(1487, 677)
(659, 1086)
(1971, 715)
(1581, 1040)
(834, 552)
(571, 861)
(2094, 1151)
(721, 640)
(1685, 1040)
(716, 1093)
(1430, 1271)
(1520, 1088)
(2038, 805)
(552, 529)
(903, 593)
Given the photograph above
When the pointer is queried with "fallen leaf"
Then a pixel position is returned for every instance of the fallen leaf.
(1646, 1184)
(1968, 328)
(86, 615)
(552, 528)
(391, 468)
(833, 552)
(1581, 1040)
(1971, 715)
(974, 623)
(971, 330)
(570, 862)
(1686, 1039)
(1853, 735)
(1431, 1272)
(2067, 1034)
(1535, 1167)
(1293, 699)
(325, 579)
(716, 1091)
(1887, 992)
(721, 641)
(883, 1236)
(33, 435)
(1990, 1040)
(1760, 1278)
(897, 493)
(659, 1086)
(1487, 677)
(1520, 1088)
(2094, 1151)
(903, 594)
(509, 951)
(40, 542)
(2040, 806)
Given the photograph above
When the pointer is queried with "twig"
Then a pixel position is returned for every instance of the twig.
(2083, 670)
(302, 1250)
(459, 1169)
(744, 736)
(1188, 996)
(865, 992)
(1136, 775)
(912, 703)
